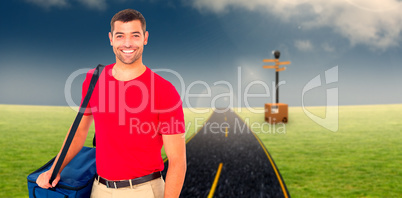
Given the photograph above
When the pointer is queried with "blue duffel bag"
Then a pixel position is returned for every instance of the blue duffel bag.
(75, 180)
(77, 177)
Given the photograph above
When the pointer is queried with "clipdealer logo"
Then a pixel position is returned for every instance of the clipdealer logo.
(331, 119)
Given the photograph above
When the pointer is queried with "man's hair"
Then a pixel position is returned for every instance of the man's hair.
(128, 15)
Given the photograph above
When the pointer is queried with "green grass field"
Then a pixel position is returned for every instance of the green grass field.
(362, 159)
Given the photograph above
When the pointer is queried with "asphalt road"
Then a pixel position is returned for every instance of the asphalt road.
(225, 159)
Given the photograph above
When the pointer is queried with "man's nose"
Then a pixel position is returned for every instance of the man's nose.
(128, 42)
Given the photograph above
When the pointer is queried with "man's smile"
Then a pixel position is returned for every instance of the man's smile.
(127, 51)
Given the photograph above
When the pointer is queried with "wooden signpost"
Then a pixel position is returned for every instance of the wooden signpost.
(276, 112)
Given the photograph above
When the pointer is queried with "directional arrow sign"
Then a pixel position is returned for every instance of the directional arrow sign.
(269, 60)
(284, 63)
(269, 67)
(281, 69)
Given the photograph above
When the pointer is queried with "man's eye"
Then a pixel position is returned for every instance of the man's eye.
(119, 36)
(136, 35)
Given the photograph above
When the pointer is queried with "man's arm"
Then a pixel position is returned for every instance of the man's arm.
(175, 147)
(75, 147)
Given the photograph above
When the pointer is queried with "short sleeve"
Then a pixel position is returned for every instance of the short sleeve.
(170, 110)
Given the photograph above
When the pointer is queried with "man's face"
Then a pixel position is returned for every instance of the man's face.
(128, 40)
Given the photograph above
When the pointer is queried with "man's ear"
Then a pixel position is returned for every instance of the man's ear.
(146, 38)
(111, 38)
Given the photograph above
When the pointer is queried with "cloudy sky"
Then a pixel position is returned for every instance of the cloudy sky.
(352, 47)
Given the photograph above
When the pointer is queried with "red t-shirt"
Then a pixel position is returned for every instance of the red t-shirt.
(130, 119)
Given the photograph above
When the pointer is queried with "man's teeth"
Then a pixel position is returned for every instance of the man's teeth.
(128, 51)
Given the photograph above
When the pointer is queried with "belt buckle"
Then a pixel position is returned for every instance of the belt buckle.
(109, 186)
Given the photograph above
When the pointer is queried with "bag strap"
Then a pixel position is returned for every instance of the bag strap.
(77, 121)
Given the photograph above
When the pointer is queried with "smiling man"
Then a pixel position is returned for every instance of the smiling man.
(135, 112)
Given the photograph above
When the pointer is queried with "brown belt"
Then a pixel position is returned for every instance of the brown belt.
(126, 183)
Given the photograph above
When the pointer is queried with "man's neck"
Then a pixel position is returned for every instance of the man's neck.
(125, 72)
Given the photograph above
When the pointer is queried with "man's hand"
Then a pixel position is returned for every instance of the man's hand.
(44, 178)
(76, 146)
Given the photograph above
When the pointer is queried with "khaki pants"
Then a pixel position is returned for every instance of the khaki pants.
(151, 189)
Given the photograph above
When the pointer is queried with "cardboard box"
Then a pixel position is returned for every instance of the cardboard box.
(276, 113)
